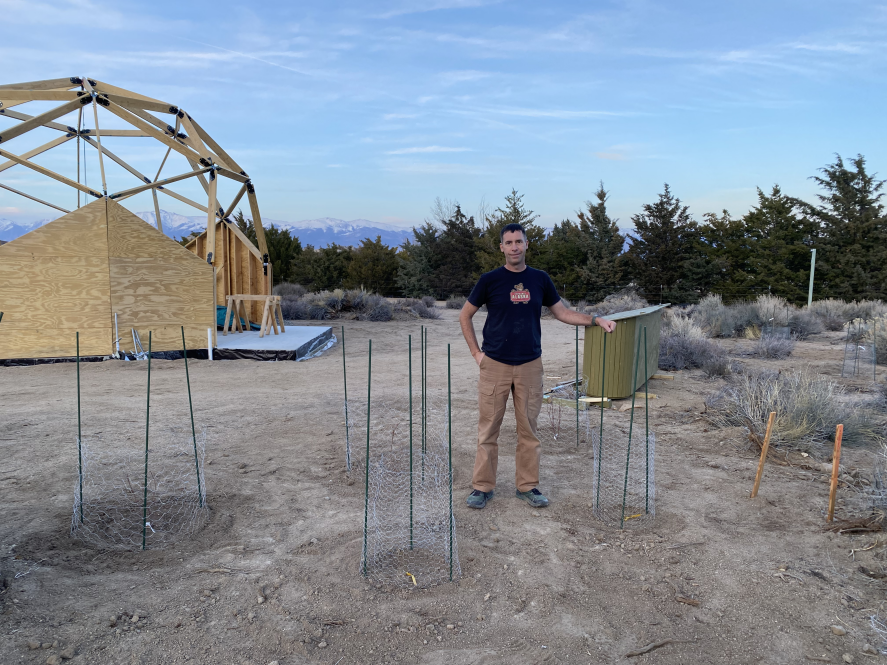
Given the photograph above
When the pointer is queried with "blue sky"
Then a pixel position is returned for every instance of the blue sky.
(356, 109)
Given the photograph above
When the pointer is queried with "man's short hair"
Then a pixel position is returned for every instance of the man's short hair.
(511, 227)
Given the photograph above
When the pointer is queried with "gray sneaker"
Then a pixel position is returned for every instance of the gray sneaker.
(534, 497)
(478, 499)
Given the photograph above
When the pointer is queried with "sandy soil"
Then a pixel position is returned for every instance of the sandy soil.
(760, 580)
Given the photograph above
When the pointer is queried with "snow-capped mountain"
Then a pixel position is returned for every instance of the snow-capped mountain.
(317, 232)
(10, 230)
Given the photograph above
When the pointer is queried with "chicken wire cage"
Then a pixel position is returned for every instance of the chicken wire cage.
(120, 503)
(560, 421)
(409, 529)
(146, 488)
(860, 352)
(623, 473)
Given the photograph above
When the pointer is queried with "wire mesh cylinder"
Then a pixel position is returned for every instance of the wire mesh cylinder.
(110, 502)
(410, 522)
(623, 487)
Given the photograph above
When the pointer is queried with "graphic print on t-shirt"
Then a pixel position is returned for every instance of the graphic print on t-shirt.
(520, 294)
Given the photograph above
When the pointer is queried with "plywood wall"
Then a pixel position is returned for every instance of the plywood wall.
(156, 285)
(75, 273)
(238, 264)
(54, 282)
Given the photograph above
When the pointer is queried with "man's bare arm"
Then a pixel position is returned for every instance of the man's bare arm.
(465, 322)
(570, 316)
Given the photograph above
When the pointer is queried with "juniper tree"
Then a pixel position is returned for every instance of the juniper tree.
(852, 263)
(489, 256)
(603, 271)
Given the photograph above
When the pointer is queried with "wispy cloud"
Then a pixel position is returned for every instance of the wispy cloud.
(422, 6)
(426, 149)
(464, 76)
(611, 156)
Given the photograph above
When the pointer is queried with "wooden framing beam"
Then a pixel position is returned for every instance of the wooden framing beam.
(141, 176)
(157, 211)
(40, 95)
(130, 103)
(155, 185)
(205, 184)
(95, 113)
(136, 120)
(211, 219)
(48, 173)
(257, 219)
(24, 116)
(215, 147)
(33, 198)
(101, 86)
(48, 84)
(196, 143)
(43, 118)
(233, 176)
(234, 203)
(36, 151)
(183, 199)
(116, 132)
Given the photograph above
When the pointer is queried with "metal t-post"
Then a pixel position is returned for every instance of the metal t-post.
(191, 409)
(366, 490)
(79, 435)
(147, 428)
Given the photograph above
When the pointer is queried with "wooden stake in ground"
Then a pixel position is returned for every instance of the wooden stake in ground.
(764, 449)
(836, 463)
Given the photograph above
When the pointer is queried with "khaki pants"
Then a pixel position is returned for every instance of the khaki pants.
(524, 382)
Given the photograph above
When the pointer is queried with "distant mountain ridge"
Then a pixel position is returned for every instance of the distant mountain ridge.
(317, 232)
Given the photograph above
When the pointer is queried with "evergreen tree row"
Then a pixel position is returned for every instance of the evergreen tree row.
(668, 254)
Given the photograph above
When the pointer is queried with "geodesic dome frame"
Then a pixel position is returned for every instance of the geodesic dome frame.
(208, 160)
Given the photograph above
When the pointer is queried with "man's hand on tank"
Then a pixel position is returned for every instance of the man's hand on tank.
(606, 324)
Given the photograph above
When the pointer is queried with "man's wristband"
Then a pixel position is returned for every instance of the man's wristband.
(593, 319)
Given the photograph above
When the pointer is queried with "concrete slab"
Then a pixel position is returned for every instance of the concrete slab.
(294, 344)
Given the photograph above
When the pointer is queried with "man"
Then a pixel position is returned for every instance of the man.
(511, 362)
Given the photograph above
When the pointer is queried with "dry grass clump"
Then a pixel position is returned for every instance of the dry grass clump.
(774, 347)
(419, 308)
(683, 345)
(456, 302)
(808, 408)
(297, 305)
(833, 313)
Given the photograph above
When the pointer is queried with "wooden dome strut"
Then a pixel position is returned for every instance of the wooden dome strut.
(207, 158)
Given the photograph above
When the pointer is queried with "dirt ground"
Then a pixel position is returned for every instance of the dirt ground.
(720, 577)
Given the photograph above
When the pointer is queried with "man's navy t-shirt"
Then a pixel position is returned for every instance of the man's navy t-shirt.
(514, 300)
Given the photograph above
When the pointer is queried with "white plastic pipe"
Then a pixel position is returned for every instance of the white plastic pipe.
(209, 342)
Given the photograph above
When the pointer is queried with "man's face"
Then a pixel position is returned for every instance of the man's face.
(514, 246)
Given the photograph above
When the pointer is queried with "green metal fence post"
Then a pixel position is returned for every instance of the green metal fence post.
(410, 364)
(576, 391)
(646, 428)
(450, 450)
(147, 429)
(79, 434)
(347, 428)
(366, 489)
(600, 452)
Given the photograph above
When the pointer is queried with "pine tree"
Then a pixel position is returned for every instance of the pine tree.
(489, 255)
(456, 257)
(415, 260)
(603, 271)
(666, 241)
(852, 263)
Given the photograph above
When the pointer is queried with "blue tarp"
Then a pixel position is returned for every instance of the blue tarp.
(220, 319)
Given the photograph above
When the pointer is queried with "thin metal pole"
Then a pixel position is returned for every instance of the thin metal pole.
(147, 425)
(812, 270)
(646, 427)
(637, 358)
(875, 349)
(366, 490)
(450, 449)
(576, 391)
(193, 430)
(410, 347)
(347, 428)
(600, 453)
(79, 435)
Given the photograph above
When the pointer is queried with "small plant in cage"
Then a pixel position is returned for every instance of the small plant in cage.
(132, 497)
